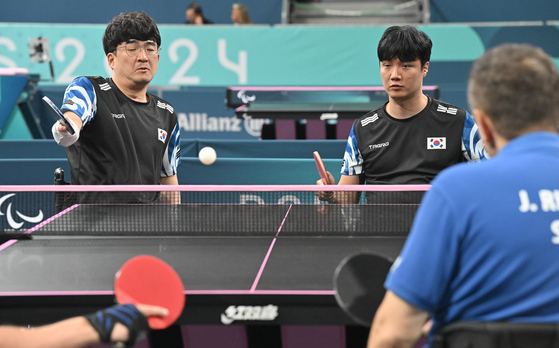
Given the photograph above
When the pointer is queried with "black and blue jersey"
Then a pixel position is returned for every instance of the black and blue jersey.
(386, 150)
(123, 142)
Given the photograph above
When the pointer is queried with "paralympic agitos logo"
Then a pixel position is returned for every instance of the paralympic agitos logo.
(10, 217)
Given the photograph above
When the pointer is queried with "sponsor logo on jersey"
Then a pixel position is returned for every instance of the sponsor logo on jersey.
(118, 116)
(436, 143)
(165, 106)
(105, 86)
(162, 134)
(244, 313)
(379, 146)
(368, 120)
(451, 111)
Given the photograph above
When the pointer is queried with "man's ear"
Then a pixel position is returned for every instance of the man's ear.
(486, 129)
(425, 69)
(111, 60)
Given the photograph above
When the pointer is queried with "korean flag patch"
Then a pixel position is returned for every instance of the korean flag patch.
(162, 134)
(436, 143)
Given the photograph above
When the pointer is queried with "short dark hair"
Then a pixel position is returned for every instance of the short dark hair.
(127, 26)
(517, 86)
(406, 43)
(196, 7)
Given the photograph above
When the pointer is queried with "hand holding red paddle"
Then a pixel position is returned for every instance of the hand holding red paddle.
(150, 295)
(325, 179)
(321, 168)
(148, 280)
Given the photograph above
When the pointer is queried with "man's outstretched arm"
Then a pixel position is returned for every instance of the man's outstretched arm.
(70, 333)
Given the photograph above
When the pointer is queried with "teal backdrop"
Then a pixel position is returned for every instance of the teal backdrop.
(198, 63)
(255, 55)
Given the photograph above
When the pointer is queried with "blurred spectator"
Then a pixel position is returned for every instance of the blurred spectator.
(240, 15)
(194, 15)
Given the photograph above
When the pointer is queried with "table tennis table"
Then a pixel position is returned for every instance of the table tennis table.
(240, 263)
(308, 112)
(318, 102)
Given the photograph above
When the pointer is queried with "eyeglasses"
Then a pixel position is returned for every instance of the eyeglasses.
(134, 49)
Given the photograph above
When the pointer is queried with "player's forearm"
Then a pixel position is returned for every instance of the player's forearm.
(387, 339)
(343, 197)
(340, 197)
(396, 323)
(170, 197)
(387, 334)
(70, 333)
(348, 197)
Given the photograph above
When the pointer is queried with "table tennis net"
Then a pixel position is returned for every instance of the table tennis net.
(208, 213)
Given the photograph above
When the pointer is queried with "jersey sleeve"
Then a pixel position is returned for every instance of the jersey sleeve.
(473, 148)
(353, 161)
(80, 98)
(422, 273)
(172, 156)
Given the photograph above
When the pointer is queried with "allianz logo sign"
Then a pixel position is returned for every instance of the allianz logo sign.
(244, 313)
(201, 122)
(11, 216)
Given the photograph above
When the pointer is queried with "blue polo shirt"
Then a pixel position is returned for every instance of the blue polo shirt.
(484, 245)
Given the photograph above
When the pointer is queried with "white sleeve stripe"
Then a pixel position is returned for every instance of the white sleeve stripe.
(171, 157)
(353, 161)
(473, 148)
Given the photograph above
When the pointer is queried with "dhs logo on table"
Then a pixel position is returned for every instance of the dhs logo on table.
(244, 313)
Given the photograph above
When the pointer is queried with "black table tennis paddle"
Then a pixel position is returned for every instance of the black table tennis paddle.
(359, 285)
(58, 114)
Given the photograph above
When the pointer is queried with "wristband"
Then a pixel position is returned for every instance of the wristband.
(65, 138)
(128, 315)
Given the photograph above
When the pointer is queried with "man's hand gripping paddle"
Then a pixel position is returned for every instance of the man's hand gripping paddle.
(55, 111)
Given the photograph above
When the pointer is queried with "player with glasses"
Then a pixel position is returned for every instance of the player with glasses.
(134, 49)
(123, 134)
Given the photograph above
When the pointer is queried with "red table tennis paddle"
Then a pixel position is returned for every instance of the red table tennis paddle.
(359, 285)
(321, 168)
(58, 114)
(148, 280)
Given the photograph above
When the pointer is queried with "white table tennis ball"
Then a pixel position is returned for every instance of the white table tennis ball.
(207, 155)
